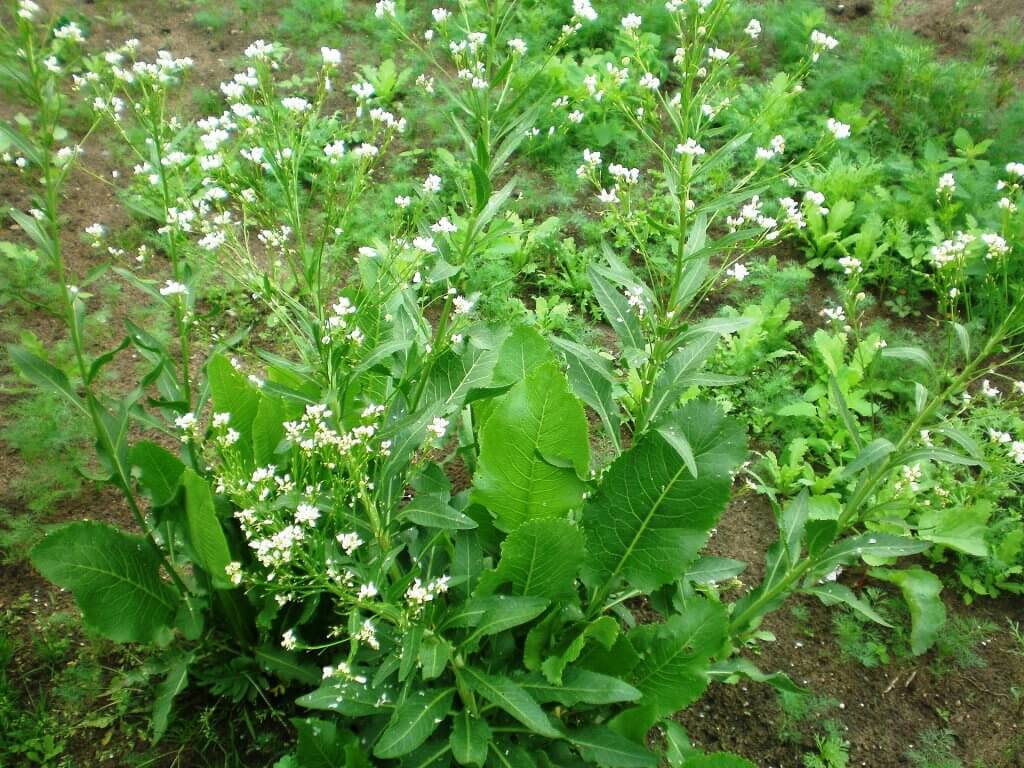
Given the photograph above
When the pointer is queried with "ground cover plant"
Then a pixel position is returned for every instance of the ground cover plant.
(422, 380)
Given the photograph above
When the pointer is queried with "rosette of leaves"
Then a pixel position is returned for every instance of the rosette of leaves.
(534, 656)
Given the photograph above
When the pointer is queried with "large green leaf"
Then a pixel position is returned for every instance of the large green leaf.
(44, 375)
(674, 670)
(506, 695)
(533, 451)
(540, 558)
(523, 351)
(961, 528)
(114, 577)
(651, 516)
(592, 381)
(921, 591)
(413, 722)
(206, 535)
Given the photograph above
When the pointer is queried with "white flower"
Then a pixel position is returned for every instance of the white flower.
(1018, 387)
(234, 572)
(335, 151)
(69, 31)
(650, 82)
(584, 10)
(403, 201)
(631, 22)
(384, 8)
(173, 288)
(425, 244)
(288, 640)
(753, 30)
(1017, 451)
(331, 56)
(438, 427)
(349, 542)
(717, 54)
(609, 196)
(444, 225)
(576, 116)
(367, 591)
(988, 390)
(821, 42)
(432, 184)
(295, 104)
(737, 272)
(96, 231)
(850, 265)
(517, 45)
(307, 514)
(691, 148)
(946, 185)
(837, 129)
(996, 245)
(441, 15)
(461, 305)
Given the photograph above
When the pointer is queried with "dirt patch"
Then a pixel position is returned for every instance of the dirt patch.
(882, 710)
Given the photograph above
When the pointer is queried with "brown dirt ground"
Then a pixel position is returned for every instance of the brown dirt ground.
(883, 709)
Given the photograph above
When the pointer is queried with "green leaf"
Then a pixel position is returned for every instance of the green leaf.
(831, 593)
(44, 375)
(320, 744)
(204, 530)
(469, 739)
(432, 510)
(159, 472)
(533, 450)
(600, 745)
(674, 670)
(676, 376)
(616, 309)
(114, 577)
(413, 722)
(502, 612)
(910, 354)
(921, 591)
(581, 686)
(591, 379)
(287, 665)
(603, 629)
(433, 656)
(233, 393)
(523, 351)
(348, 698)
(506, 695)
(869, 455)
(961, 528)
(173, 683)
(540, 558)
(651, 516)
(871, 544)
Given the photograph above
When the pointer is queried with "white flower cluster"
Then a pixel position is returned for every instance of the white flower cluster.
(951, 251)
(419, 594)
(1014, 448)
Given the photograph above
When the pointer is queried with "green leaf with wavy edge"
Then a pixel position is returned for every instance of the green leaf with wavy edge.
(540, 558)
(650, 516)
(233, 393)
(114, 577)
(533, 450)
(673, 672)
(921, 591)
(413, 722)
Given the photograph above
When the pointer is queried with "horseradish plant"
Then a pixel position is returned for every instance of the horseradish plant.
(403, 516)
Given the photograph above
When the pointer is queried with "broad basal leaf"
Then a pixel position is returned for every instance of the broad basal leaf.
(674, 670)
(533, 451)
(114, 577)
(921, 591)
(651, 516)
(234, 394)
(159, 472)
(540, 558)
(598, 744)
